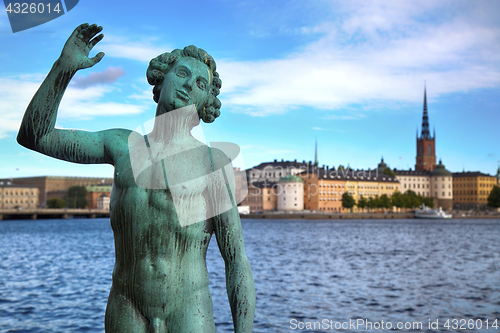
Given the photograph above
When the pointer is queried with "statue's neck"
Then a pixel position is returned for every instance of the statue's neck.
(175, 125)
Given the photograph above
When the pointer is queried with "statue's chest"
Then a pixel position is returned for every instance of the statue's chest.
(170, 185)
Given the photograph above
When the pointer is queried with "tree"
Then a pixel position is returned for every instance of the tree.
(362, 202)
(389, 172)
(384, 201)
(341, 168)
(372, 202)
(398, 199)
(56, 203)
(429, 202)
(348, 200)
(413, 200)
(494, 197)
(76, 197)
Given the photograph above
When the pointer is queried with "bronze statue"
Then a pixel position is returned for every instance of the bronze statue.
(170, 193)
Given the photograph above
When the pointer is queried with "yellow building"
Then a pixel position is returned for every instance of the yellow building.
(15, 196)
(324, 188)
(471, 189)
(269, 197)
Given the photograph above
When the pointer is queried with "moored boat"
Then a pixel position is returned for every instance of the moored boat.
(427, 213)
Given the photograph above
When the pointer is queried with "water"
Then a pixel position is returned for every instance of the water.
(55, 275)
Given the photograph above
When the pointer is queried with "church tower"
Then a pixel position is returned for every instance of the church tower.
(316, 153)
(426, 144)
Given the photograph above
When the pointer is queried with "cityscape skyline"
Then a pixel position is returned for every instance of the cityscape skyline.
(349, 74)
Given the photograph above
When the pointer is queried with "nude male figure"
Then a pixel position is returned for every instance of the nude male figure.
(160, 279)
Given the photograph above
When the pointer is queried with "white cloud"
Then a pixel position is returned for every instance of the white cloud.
(143, 50)
(16, 94)
(378, 52)
(344, 117)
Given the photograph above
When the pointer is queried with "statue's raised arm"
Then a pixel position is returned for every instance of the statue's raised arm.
(37, 130)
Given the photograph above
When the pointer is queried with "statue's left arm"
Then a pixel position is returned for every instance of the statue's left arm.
(239, 280)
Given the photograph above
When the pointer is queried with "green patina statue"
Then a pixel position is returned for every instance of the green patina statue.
(170, 193)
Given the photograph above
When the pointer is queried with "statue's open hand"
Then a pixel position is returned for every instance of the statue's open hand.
(75, 53)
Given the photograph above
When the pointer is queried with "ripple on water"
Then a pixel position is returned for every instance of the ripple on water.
(56, 274)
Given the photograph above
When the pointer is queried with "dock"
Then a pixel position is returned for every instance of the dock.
(34, 214)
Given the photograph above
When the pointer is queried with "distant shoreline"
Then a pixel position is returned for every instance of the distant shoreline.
(349, 216)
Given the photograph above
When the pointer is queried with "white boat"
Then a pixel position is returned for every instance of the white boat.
(427, 213)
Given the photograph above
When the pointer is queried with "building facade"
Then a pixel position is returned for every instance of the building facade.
(52, 186)
(471, 190)
(324, 187)
(442, 187)
(15, 196)
(437, 184)
(290, 193)
(273, 171)
(103, 202)
(95, 192)
(261, 196)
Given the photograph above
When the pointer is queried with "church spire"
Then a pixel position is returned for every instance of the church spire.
(316, 152)
(425, 119)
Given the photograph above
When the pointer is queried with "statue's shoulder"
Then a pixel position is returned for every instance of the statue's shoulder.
(117, 140)
(219, 158)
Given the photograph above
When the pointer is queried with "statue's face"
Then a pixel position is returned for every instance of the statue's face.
(186, 83)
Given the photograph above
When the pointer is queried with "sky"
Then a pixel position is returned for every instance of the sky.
(349, 74)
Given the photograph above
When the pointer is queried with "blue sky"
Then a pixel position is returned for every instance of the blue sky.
(350, 73)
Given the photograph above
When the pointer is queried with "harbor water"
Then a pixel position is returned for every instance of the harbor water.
(310, 275)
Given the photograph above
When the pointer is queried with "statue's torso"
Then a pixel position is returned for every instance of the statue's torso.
(158, 261)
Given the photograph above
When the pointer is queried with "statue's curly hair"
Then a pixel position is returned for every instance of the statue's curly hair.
(159, 67)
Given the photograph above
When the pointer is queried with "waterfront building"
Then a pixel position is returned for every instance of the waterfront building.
(95, 193)
(417, 181)
(437, 184)
(262, 195)
(55, 187)
(426, 144)
(442, 187)
(471, 189)
(290, 193)
(324, 187)
(323, 190)
(273, 171)
(15, 196)
(103, 202)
